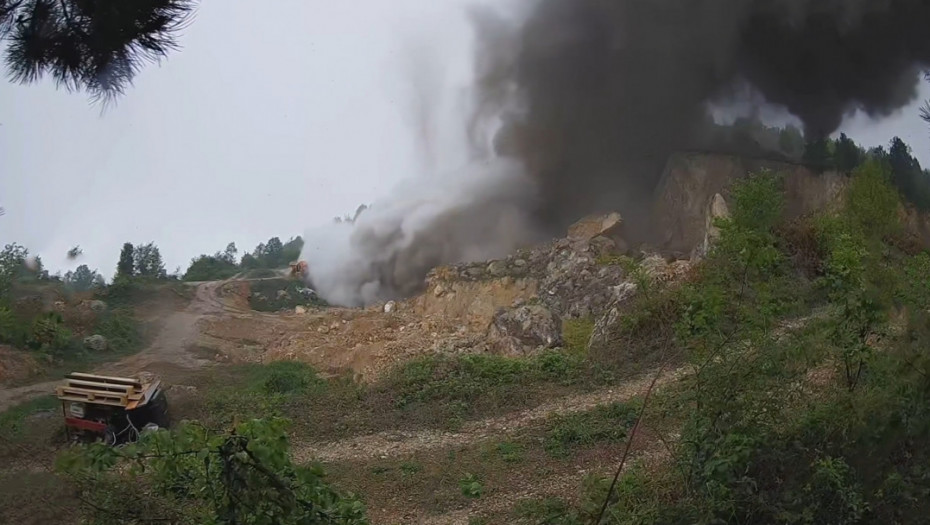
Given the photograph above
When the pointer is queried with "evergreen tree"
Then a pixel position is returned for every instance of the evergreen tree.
(817, 154)
(92, 45)
(126, 266)
(847, 156)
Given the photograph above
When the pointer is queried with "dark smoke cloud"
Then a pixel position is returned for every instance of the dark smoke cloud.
(591, 97)
(611, 87)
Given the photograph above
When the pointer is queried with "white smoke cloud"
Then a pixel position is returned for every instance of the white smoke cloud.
(464, 205)
(477, 213)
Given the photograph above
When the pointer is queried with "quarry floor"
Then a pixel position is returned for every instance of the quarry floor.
(404, 475)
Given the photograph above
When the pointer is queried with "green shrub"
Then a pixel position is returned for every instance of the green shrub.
(51, 336)
(193, 475)
(871, 202)
(121, 330)
(289, 377)
(12, 330)
(471, 486)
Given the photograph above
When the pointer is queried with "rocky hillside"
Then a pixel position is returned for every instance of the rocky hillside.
(685, 195)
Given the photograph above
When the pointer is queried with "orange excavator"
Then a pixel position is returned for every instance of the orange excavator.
(299, 269)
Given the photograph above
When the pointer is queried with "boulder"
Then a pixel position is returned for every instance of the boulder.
(97, 306)
(309, 293)
(602, 246)
(524, 329)
(497, 268)
(609, 225)
(389, 307)
(96, 342)
(300, 310)
(475, 272)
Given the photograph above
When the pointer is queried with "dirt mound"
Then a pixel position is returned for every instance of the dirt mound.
(16, 365)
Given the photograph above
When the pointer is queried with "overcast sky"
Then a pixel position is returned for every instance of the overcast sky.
(265, 123)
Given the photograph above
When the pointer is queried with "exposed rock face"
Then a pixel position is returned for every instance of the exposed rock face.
(96, 342)
(718, 210)
(573, 284)
(685, 195)
(522, 330)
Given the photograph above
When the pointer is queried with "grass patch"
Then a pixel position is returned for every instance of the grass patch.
(36, 498)
(603, 424)
(449, 390)
(511, 452)
(12, 420)
(552, 511)
(409, 468)
(254, 391)
(576, 333)
(430, 392)
(613, 260)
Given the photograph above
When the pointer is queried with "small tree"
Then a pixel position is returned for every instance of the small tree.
(12, 264)
(148, 261)
(817, 154)
(273, 251)
(83, 278)
(791, 141)
(230, 253)
(126, 266)
(847, 156)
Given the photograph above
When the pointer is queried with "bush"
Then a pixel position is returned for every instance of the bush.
(289, 377)
(193, 475)
(210, 268)
(871, 202)
(471, 486)
(51, 336)
(121, 329)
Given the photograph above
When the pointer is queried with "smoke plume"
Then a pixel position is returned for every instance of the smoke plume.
(589, 97)
(480, 213)
(611, 88)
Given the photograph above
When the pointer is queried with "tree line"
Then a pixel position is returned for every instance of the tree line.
(845, 156)
(270, 255)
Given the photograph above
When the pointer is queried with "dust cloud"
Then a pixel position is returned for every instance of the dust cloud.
(578, 103)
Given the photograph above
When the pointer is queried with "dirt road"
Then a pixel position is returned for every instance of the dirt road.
(178, 331)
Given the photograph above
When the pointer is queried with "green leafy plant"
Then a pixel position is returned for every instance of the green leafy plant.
(471, 486)
(193, 475)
